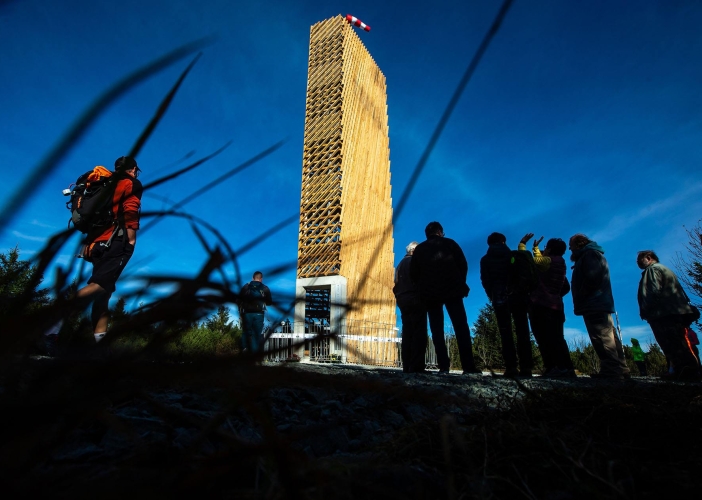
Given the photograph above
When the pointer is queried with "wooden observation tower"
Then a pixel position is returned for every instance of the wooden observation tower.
(345, 246)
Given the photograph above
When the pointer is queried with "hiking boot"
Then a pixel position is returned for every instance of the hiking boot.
(442, 372)
(511, 373)
(474, 373)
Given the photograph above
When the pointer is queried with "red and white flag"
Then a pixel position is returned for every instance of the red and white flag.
(357, 22)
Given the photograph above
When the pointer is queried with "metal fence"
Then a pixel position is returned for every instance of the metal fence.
(361, 343)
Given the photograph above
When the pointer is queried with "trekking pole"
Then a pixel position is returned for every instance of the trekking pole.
(618, 328)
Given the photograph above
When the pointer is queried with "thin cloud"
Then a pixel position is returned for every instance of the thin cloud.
(27, 237)
(38, 223)
(641, 333)
(621, 223)
(579, 338)
(636, 331)
(572, 334)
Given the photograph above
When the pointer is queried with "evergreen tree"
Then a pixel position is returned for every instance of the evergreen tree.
(487, 346)
(454, 355)
(656, 363)
(227, 334)
(220, 321)
(222, 324)
(584, 357)
(487, 343)
(690, 267)
(19, 285)
(119, 314)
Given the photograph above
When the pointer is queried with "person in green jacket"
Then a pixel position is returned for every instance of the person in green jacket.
(666, 307)
(639, 357)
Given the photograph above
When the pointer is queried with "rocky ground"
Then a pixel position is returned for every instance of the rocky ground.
(310, 431)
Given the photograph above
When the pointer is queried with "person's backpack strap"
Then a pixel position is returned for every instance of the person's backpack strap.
(252, 297)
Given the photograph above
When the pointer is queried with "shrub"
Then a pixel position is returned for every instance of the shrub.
(19, 285)
(454, 358)
(584, 357)
(656, 363)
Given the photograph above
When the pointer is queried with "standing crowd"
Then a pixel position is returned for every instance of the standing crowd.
(527, 288)
(524, 288)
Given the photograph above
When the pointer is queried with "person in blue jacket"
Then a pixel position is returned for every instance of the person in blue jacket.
(592, 299)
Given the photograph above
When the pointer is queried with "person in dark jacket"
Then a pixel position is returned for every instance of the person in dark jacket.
(413, 314)
(593, 300)
(509, 305)
(440, 269)
(253, 299)
(666, 307)
(546, 312)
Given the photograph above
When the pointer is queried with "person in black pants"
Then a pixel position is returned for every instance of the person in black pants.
(440, 269)
(546, 313)
(667, 308)
(508, 304)
(413, 314)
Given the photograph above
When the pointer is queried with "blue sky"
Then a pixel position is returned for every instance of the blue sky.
(582, 117)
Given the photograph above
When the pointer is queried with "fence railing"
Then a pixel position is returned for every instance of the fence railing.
(361, 343)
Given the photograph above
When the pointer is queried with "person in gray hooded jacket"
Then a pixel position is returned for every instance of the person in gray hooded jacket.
(593, 300)
(666, 307)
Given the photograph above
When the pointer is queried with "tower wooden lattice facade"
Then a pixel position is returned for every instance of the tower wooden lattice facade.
(346, 207)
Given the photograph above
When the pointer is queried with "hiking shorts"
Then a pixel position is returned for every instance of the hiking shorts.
(108, 265)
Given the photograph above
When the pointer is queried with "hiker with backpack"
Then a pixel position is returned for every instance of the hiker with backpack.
(113, 201)
(546, 310)
(593, 300)
(253, 299)
(508, 276)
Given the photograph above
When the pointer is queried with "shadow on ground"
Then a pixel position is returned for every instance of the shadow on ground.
(233, 428)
